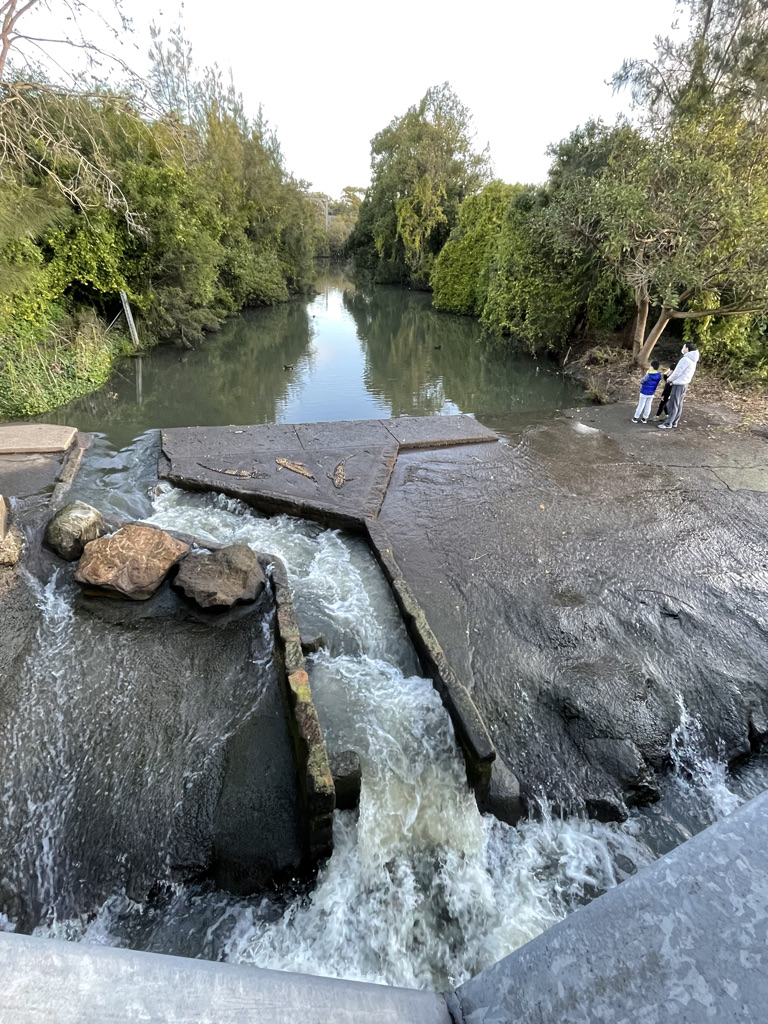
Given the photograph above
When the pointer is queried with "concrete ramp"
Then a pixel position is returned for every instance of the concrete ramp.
(48, 982)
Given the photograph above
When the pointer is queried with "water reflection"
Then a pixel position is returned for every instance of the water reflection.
(348, 353)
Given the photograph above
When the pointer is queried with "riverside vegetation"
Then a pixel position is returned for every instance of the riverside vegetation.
(163, 189)
(664, 221)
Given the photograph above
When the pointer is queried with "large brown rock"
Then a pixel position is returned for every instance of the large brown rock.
(222, 578)
(74, 526)
(131, 563)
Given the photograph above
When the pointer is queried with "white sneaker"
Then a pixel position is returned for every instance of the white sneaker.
(635, 419)
(665, 426)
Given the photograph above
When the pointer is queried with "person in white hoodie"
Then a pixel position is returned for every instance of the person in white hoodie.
(680, 378)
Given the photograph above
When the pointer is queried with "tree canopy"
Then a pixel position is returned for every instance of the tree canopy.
(423, 165)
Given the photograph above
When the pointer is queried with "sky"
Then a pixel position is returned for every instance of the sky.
(329, 78)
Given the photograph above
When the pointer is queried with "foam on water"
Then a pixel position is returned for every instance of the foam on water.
(421, 890)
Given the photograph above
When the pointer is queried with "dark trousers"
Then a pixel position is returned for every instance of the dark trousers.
(663, 404)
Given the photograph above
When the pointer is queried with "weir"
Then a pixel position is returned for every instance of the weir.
(421, 890)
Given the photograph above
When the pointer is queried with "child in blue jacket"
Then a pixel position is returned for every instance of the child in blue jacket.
(648, 386)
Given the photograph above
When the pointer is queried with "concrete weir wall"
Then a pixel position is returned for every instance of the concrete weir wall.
(44, 981)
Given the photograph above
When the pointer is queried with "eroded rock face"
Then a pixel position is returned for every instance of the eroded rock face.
(223, 578)
(346, 773)
(131, 563)
(74, 526)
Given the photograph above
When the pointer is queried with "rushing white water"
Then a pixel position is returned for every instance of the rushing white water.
(421, 889)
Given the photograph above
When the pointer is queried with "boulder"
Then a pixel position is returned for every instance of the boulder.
(131, 563)
(222, 578)
(347, 776)
(72, 528)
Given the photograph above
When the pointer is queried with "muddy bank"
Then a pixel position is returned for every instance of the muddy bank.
(584, 579)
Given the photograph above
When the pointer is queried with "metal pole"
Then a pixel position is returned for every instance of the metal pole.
(129, 318)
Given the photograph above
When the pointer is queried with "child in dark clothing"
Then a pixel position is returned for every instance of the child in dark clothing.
(648, 386)
(663, 410)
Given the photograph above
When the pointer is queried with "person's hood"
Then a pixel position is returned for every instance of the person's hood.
(693, 356)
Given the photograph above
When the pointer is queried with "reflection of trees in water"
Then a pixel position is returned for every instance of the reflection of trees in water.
(234, 376)
(417, 359)
(333, 276)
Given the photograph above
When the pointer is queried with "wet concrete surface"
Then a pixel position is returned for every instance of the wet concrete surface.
(334, 472)
(140, 746)
(584, 577)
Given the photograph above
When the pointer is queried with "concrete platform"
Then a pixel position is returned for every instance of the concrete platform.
(337, 473)
(27, 438)
(39, 458)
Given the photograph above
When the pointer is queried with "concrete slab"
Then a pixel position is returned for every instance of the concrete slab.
(684, 940)
(217, 442)
(23, 438)
(343, 486)
(343, 434)
(437, 431)
(45, 981)
(578, 591)
(25, 475)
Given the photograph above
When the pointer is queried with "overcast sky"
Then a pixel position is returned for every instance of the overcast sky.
(330, 77)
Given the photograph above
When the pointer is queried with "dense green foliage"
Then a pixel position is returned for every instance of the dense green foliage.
(423, 165)
(192, 213)
(667, 220)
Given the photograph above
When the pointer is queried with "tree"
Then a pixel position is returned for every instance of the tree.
(680, 216)
(722, 62)
(423, 165)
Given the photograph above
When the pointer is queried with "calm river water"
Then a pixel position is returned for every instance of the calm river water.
(349, 353)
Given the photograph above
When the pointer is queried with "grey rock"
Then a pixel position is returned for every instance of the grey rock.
(502, 797)
(72, 528)
(313, 644)
(222, 578)
(347, 776)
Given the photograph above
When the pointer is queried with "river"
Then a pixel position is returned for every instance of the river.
(349, 353)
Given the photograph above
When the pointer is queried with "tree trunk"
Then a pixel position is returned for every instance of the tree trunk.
(638, 324)
(643, 355)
